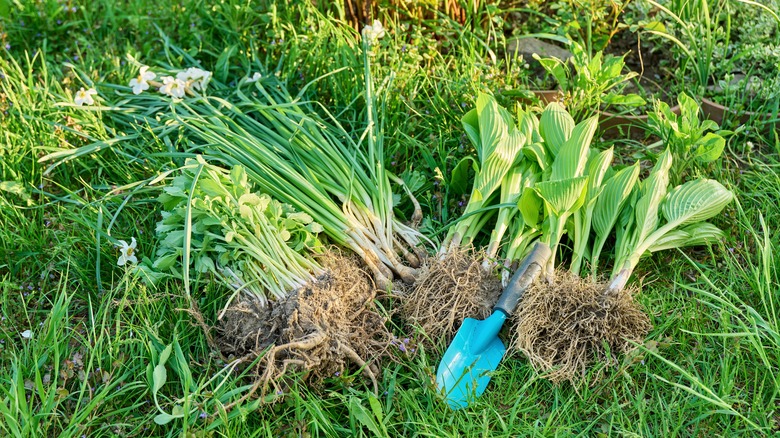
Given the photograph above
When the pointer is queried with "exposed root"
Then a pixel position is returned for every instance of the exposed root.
(448, 290)
(327, 329)
(567, 325)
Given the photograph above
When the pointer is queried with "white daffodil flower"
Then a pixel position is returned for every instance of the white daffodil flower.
(195, 77)
(85, 97)
(255, 77)
(27, 334)
(373, 32)
(141, 82)
(173, 87)
(127, 252)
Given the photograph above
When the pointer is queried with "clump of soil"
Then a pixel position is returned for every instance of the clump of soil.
(321, 330)
(569, 324)
(447, 291)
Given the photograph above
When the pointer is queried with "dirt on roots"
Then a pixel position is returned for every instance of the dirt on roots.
(447, 291)
(322, 330)
(565, 326)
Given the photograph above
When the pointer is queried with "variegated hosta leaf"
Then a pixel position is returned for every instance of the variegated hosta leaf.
(538, 153)
(652, 192)
(562, 195)
(512, 185)
(555, 127)
(613, 197)
(695, 201)
(572, 157)
(492, 127)
(528, 124)
(700, 233)
(596, 169)
(498, 163)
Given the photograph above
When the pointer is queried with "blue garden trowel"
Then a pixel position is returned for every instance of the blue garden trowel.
(476, 350)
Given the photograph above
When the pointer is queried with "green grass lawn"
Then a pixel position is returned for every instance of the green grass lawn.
(82, 340)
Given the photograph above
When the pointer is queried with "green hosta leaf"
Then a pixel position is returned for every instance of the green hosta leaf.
(538, 153)
(528, 124)
(511, 186)
(573, 155)
(695, 201)
(492, 127)
(459, 181)
(530, 205)
(596, 169)
(613, 197)
(470, 123)
(556, 68)
(701, 233)
(562, 196)
(498, 163)
(555, 127)
(709, 148)
(652, 192)
(627, 100)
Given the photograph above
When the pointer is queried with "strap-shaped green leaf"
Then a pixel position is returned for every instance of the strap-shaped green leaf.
(695, 201)
(572, 157)
(562, 195)
(614, 195)
(555, 127)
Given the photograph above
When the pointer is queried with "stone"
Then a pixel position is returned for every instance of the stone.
(528, 46)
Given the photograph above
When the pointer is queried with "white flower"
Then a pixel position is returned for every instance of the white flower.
(141, 83)
(127, 252)
(85, 96)
(173, 87)
(195, 77)
(255, 77)
(27, 334)
(373, 32)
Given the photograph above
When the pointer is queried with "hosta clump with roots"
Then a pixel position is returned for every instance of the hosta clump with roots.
(565, 326)
(533, 173)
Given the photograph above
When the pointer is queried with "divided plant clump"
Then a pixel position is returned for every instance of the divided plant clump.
(297, 179)
(267, 182)
(555, 189)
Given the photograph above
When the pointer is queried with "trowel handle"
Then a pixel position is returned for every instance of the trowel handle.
(525, 275)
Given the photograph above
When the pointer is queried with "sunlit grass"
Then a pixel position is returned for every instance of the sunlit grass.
(709, 367)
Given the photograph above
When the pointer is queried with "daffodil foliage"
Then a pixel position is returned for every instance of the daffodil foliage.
(214, 222)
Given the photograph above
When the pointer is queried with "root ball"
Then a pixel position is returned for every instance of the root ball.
(322, 330)
(565, 326)
(447, 291)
